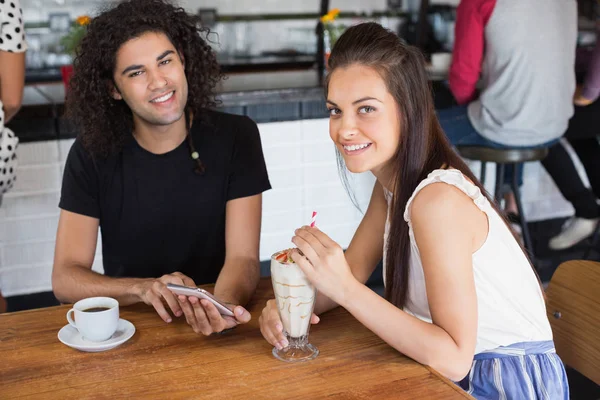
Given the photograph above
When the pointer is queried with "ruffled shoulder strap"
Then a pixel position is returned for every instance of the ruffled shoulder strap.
(455, 178)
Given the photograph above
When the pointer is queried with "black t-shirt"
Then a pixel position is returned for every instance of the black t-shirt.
(158, 216)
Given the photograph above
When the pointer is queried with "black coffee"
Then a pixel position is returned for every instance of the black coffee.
(96, 309)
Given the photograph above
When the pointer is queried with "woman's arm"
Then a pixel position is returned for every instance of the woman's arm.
(361, 258)
(448, 228)
(12, 81)
(12, 60)
(366, 248)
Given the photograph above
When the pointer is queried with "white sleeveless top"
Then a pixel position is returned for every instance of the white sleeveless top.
(510, 303)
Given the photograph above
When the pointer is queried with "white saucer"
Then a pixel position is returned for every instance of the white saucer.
(72, 338)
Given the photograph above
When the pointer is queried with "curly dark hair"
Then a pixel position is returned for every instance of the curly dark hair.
(104, 123)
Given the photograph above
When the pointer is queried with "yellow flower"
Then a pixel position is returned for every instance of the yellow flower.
(83, 20)
(331, 15)
(326, 18)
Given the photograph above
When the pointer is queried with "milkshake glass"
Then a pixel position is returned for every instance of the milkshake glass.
(295, 297)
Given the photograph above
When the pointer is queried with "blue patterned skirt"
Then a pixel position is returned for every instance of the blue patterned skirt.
(521, 371)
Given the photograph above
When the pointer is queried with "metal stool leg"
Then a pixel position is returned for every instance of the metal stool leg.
(593, 244)
(482, 174)
(499, 181)
(525, 229)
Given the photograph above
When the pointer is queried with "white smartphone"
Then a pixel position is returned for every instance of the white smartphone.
(201, 294)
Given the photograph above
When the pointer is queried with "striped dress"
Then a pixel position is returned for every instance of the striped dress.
(514, 353)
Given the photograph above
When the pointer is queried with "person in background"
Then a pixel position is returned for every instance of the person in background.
(12, 80)
(460, 294)
(175, 188)
(523, 52)
(582, 135)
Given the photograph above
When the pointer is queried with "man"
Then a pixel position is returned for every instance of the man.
(174, 188)
(582, 135)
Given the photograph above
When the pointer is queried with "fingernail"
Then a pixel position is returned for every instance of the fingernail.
(168, 320)
(178, 313)
(278, 346)
(284, 343)
(239, 312)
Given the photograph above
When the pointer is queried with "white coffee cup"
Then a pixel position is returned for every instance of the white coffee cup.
(96, 318)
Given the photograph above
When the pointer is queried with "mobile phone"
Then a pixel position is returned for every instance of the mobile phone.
(201, 294)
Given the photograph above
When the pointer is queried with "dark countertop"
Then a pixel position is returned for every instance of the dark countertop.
(267, 62)
(264, 97)
(42, 117)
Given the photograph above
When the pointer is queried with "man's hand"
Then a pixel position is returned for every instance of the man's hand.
(153, 292)
(204, 317)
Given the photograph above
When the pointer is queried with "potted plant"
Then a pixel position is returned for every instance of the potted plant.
(332, 31)
(70, 43)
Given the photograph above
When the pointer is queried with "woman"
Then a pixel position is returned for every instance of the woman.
(12, 80)
(461, 295)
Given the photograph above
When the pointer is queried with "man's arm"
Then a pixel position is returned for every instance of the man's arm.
(73, 278)
(72, 275)
(240, 274)
(469, 43)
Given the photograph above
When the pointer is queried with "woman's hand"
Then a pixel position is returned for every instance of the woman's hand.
(323, 263)
(271, 326)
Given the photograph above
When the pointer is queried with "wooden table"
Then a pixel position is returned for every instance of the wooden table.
(171, 361)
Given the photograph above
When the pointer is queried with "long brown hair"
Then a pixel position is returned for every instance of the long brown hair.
(423, 146)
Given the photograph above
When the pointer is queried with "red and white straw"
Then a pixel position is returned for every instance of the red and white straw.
(313, 219)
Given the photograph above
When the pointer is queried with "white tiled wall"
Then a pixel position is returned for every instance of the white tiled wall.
(301, 163)
(29, 219)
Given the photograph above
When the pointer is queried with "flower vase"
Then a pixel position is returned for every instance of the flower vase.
(66, 72)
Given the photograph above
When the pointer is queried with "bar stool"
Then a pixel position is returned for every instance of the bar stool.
(501, 157)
